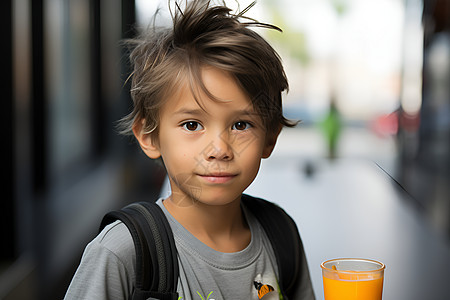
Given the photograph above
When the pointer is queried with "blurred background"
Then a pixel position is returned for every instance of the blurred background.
(370, 80)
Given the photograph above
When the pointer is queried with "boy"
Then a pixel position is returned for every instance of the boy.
(207, 101)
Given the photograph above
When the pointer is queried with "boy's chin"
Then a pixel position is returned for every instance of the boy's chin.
(219, 199)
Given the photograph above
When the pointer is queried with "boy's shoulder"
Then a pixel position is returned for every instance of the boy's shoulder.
(107, 266)
(116, 239)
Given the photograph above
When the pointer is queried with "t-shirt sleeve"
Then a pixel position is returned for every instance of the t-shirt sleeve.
(106, 270)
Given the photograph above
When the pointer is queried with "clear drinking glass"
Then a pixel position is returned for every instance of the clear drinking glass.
(352, 279)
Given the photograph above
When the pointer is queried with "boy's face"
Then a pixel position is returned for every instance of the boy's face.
(212, 153)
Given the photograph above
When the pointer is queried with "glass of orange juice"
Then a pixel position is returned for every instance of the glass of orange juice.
(352, 279)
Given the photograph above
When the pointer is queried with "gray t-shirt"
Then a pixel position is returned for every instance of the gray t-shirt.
(107, 267)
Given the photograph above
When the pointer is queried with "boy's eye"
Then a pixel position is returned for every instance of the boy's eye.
(192, 126)
(241, 125)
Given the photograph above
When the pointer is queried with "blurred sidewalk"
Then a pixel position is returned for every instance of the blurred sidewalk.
(350, 207)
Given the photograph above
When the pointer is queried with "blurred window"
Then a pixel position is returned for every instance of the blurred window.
(68, 80)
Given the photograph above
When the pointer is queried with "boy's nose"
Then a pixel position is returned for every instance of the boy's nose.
(220, 149)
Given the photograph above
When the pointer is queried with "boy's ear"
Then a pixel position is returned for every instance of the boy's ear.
(147, 141)
(271, 140)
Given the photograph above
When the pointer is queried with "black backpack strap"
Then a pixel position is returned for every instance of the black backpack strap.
(282, 232)
(156, 255)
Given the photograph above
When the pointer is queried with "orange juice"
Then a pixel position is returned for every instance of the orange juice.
(352, 279)
(338, 289)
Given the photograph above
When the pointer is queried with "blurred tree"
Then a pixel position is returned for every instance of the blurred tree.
(292, 40)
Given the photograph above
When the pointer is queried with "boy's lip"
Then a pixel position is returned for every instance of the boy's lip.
(217, 177)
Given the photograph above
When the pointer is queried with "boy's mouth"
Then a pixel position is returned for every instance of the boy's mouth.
(218, 177)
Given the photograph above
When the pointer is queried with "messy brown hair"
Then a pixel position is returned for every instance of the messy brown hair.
(204, 35)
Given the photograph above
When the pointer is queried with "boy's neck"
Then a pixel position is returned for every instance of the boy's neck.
(221, 227)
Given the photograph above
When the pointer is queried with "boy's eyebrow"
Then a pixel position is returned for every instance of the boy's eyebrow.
(185, 111)
(198, 111)
(247, 112)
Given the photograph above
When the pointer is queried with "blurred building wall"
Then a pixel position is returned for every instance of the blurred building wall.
(424, 136)
(64, 72)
